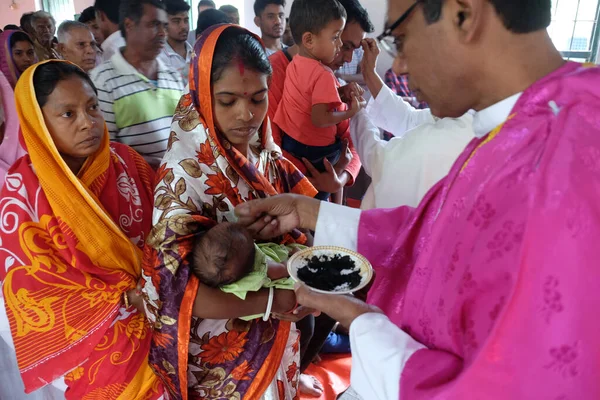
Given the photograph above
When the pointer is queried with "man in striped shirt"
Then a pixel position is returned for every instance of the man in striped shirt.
(138, 94)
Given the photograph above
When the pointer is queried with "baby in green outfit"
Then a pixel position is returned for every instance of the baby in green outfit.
(227, 257)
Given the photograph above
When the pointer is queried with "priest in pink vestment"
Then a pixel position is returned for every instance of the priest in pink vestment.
(489, 288)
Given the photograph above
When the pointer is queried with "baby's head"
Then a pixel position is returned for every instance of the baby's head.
(223, 255)
(317, 25)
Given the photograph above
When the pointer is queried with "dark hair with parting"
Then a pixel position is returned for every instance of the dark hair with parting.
(88, 15)
(208, 18)
(19, 36)
(238, 44)
(518, 16)
(313, 16)
(176, 6)
(110, 8)
(47, 76)
(134, 10)
(355, 12)
(260, 5)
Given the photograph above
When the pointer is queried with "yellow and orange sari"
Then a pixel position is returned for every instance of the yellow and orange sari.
(70, 247)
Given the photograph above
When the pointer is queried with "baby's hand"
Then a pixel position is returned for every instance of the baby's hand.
(276, 270)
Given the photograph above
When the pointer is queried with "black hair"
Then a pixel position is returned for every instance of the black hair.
(239, 44)
(47, 76)
(229, 9)
(11, 27)
(87, 15)
(110, 8)
(19, 36)
(355, 12)
(134, 10)
(208, 18)
(25, 22)
(260, 5)
(207, 3)
(223, 255)
(176, 6)
(313, 16)
(518, 16)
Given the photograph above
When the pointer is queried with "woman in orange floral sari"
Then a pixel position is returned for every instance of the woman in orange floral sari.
(220, 154)
(74, 213)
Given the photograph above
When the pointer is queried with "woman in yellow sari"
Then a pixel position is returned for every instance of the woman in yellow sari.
(74, 214)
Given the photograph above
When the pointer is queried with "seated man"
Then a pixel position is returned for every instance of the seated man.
(76, 43)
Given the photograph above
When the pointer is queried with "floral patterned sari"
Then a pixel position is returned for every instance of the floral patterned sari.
(200, 182)
(70, 246)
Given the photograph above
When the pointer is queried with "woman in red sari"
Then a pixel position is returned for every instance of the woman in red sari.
(220, 154)
(74, 214)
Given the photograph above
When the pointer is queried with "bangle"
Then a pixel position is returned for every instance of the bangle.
(126, 300)
(269, 305)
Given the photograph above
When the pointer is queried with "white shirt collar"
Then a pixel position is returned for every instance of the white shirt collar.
(188, 51)
(489, 118)
(113, 39)
(121, 65)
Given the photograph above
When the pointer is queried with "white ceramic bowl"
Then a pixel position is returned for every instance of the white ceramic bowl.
(299, 260)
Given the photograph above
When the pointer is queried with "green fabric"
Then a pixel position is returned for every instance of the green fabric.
(145, 107)
(258, 279)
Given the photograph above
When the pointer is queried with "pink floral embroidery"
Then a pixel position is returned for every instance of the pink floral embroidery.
(564, 360)
(505, 241)
(552, 298)
(481, 214)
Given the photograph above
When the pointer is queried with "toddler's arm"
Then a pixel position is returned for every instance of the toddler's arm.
(322, 117)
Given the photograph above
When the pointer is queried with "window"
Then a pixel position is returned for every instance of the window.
(61, 10)
(239, 4)
(574, 28)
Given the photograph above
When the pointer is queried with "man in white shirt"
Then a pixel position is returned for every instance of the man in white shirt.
(467, 272)
(270, 18)
(177, 53)
(107, 16)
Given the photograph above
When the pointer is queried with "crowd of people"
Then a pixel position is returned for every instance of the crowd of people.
(155, 179)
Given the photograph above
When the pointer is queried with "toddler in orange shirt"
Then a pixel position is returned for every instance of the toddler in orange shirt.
(310, 107)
